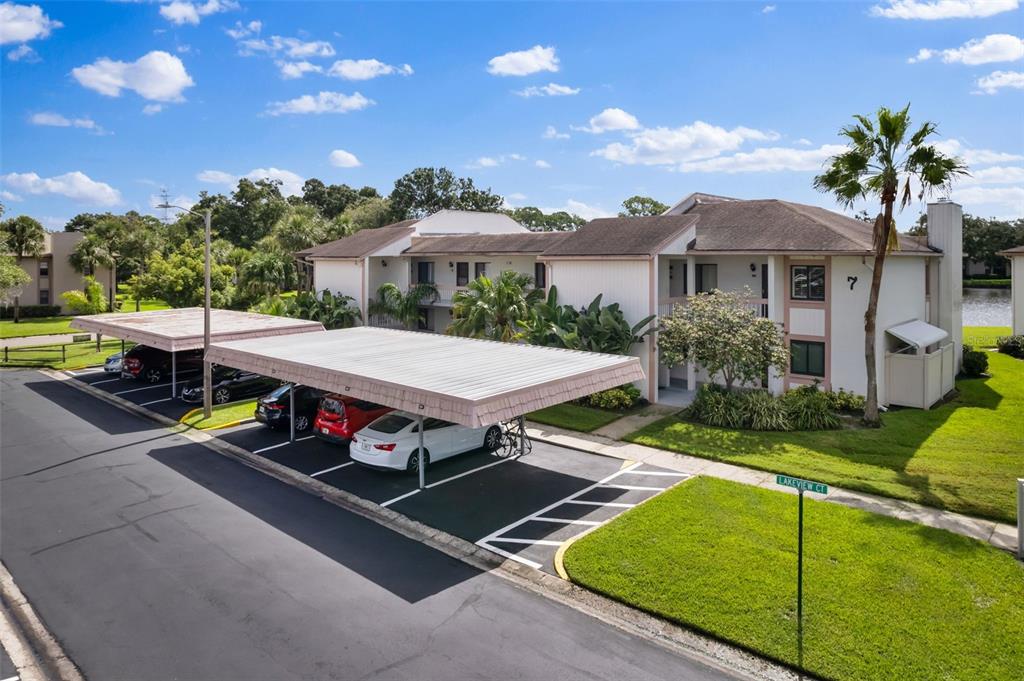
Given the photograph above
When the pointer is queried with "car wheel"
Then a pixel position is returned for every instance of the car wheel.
(153, 375)
(492, 438)
(301, 423)
(222, 396)
(413, 465)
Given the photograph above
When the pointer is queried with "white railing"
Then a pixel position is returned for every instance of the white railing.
(665, 305)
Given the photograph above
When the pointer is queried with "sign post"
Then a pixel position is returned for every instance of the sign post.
(801, 486)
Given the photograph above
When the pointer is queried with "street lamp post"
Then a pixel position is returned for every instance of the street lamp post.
(207, 216)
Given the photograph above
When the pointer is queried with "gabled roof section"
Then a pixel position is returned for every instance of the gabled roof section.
(696, 198)
(629, 236)
(1016, 250)
(468, 222)
(773, 225)
(362, 243)
(527, 243)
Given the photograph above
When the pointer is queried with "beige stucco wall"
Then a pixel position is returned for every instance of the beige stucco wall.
(62, 276)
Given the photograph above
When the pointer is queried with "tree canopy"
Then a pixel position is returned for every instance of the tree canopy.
(639, 206)
(428, 190)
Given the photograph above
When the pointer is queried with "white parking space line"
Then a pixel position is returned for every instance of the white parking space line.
(267, 449)
(332, 468)
(546, 519)
(399, 498)
(449, 479)
(11, 678)
(165, 386)
(106, 380)
(635, 487)
(671, 474)
(85, 372)
(610, 504)
(146, 404)
(535, 542)
(302, 439)
(519, 559)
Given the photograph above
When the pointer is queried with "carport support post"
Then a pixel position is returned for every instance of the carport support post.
(522, 436)
(174, 373)
(291, 413)
(422, 459)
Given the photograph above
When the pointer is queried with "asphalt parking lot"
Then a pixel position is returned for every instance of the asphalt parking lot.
(523, 508)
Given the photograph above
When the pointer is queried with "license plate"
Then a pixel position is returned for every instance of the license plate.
(325, 431)
(262, 409)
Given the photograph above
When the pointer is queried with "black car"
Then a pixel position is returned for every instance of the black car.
(152, 365)
(229, 384)
(273, 409)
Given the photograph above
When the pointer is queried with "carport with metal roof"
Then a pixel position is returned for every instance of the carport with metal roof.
(467, 381)
(181, 329)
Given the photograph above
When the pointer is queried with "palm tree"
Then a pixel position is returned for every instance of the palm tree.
(882, 159)
(25, 236)
(402, 307)
(265, 273)
(493, 308)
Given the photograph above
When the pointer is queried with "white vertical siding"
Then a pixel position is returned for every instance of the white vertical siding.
(1017, 292)
(343, 277)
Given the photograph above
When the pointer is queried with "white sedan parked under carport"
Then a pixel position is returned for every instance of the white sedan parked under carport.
(392, 441)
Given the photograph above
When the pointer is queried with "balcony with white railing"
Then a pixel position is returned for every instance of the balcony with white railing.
(666, 304)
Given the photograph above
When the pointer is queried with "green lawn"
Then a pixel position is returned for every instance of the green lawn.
(127, 303)
(964, 455)
(573, 417)
(223, 414)
(883, 598)
(986, 283)
(984, 336)
(35, 326)
(76, 356)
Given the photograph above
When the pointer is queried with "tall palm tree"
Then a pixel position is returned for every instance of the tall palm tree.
(403, 307)
(883, 160)
(493, 308)
(25, 237)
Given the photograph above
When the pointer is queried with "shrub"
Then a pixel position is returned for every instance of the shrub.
(27, 311)
(764, 411)
(88, 301)
(716, 406)
(615, 399)
(975, 362)
(1008, 345)
(844, 401)
(808, 409)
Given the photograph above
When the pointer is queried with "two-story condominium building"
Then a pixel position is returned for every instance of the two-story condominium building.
(807, 268)
(51, 272)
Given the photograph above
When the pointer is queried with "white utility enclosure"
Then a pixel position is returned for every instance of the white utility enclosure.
(923, 369)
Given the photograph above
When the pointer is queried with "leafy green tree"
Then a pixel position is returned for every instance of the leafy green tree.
(605, 329)
(536, 220)
(549, 324)
(83, 222)
(984, 238)
(178, 278)
(882, 159)
(333, 200)
(637, 206)
(265, 273)
(24, 237)
(428, 190)
(300, 227)
(492, 308)
(90, 300)
(721, 332)
(402, 306)
(12, 277)
(334, 312)
(368, 213)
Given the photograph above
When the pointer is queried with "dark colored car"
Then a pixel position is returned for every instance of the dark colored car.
(229, 384)
(153, 365)
(272, 410)
(340, 417)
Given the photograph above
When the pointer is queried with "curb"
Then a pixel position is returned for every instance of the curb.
(41, 656)
(715, 654)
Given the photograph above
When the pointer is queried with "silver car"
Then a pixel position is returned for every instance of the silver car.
(113, 364)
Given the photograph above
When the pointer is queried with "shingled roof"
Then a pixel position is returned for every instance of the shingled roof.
(773, 225)
(480, 244)
(1016, 250)
(362, 243)
(630, 236)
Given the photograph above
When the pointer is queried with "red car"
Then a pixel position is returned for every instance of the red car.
(340, 417)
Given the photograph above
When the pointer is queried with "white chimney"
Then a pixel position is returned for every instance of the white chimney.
(945, 274)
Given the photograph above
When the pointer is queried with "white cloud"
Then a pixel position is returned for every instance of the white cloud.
(244, 30)
(152, 109)
(21, 23)
(23, 53)
(1007, 202)
(217, 177)
(56, 120)
(365, 69)
(585, 211)
(992, 48)
(997, 80)
(291, 70)
(9, 196)
(180, 12)
(290, 47)
(551, 133)
(344, 159)
(955, 147)
(157, 76)
(995, 175)
(549, 90)
(610, 119)
(765, 160)
(541, 163)
(75, 185)
(768, 9)
(516, 196)
(524, 62)
(494, 161)
(323, 102)
(942, 9)
(803, 141)
(672, 146)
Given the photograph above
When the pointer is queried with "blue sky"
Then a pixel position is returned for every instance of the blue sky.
(558, 105)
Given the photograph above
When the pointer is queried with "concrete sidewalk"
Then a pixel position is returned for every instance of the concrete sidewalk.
(1000, 535)
(51, 339)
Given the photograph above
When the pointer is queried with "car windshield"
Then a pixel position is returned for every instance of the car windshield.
(390, 423)
(280, 391)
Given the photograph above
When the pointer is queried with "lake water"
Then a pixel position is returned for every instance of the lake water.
(987, 307)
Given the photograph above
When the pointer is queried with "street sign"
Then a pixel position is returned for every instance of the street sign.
(802, 485)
